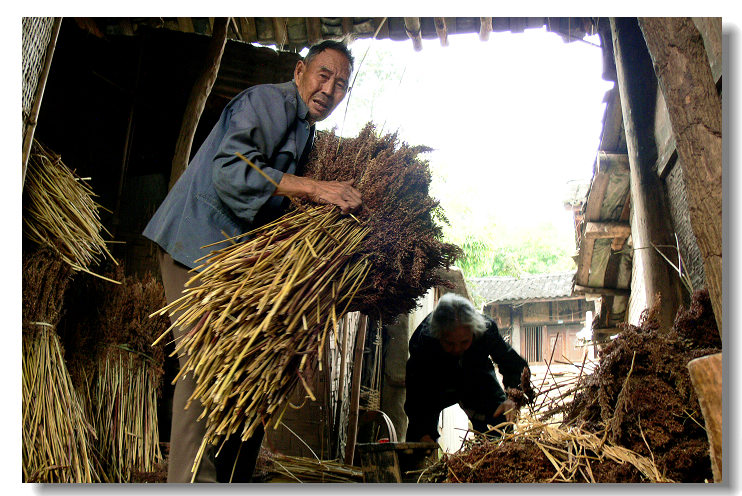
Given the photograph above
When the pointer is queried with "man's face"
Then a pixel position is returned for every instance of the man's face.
(456, 342)
(323, 83)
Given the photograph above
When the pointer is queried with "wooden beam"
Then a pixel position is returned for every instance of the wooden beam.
(706, 376)
(347, 23)
(441, 30)
(597, 230)
(585, 257)
(637, 85)
(485, 28)
(234, 24)
(681, 64)
(280, 34)
(579, 289)
(610, 161)
(249, 31)
(185, 24)
(197, 100)
(605, 164)
(412, 28)
(314, 30)
(382, 28)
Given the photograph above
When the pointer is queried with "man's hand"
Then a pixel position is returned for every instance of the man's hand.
(509, 408)
(426, 439)
(340, 193)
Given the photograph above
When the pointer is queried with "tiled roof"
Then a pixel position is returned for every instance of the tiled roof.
(527, 287)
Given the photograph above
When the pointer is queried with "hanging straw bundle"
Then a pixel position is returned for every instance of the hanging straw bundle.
(260, 309)
(59, 212)
(57, 436)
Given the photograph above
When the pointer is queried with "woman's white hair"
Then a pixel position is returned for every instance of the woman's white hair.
(455, 311)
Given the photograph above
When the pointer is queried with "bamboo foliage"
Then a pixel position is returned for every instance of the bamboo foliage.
(57, 438)
(60, 212)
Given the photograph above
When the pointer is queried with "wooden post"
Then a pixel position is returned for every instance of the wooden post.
(197, 101)
(694, 107)
(706, 376)
(355, 391)
(650, 225)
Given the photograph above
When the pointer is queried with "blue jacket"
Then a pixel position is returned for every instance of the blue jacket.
(219, 195)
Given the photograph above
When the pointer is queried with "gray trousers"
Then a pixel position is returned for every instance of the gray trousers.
(236, 460)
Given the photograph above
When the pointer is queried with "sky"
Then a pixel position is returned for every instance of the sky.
(512, 119)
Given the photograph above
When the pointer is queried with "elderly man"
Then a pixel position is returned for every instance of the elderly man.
(451, 354)
(219, 195)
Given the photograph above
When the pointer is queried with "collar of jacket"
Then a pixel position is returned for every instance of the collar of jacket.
(301, 108)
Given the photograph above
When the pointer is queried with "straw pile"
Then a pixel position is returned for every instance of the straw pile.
(635, 418)
(60, 212)
(57, 434)
(118, 369)
(539, 453)
(260, 310)
(641, 392)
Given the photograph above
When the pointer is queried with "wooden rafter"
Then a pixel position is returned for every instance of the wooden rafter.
(485, 28)
(347, 23)
(314, 30)
(185, 24)
(441, 30)
(248, 29)
(412, 27)
(280, 34)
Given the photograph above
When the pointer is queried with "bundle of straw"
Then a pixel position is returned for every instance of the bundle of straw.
(59, 211)
(260, 309)
(117, 368)
(125, 401)
(57, 436)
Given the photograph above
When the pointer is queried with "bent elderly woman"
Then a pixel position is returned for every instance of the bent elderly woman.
(451, 361)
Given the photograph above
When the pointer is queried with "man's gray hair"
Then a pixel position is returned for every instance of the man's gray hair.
(455, 311)
(338, 46)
